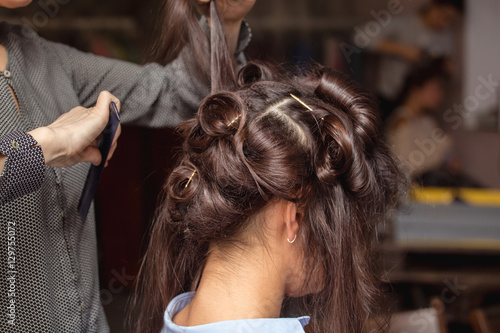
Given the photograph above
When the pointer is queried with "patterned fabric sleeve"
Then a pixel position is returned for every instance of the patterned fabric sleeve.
(24, 169)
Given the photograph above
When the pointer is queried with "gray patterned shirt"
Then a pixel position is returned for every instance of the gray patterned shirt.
(48, 278)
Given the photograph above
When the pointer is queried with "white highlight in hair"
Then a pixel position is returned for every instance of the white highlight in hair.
(279, 111)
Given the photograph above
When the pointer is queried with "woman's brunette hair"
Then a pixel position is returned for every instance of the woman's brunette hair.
(179, 34)
(254, 144)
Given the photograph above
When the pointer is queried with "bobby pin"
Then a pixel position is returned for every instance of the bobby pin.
(300, 101)
(238, 117)
(190, 178)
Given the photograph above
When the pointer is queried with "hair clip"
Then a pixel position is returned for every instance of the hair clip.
(298, 100)
(190, 178)
(238, 117)
(307, 106)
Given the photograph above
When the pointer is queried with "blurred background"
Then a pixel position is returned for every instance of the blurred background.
(435, 67)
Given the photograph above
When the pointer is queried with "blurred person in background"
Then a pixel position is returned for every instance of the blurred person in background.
(414, 133)
(410, 39)
(50, 282)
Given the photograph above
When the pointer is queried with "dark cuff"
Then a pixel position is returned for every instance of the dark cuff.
(24, 169)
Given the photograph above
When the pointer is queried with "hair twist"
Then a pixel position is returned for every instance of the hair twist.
(335, 154)
(338, 90)
(253, 72)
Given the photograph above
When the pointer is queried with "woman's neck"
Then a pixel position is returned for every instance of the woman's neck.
(247, 287)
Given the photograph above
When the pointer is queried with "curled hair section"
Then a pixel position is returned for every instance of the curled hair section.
(221, 114)
(338, 90)
(253, 72)
(335, 155)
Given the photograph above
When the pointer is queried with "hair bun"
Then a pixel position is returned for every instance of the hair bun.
(221, 114)
(181, 188)
(253, 72)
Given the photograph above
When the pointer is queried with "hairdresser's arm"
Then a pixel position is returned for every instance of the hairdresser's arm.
(67, 141)
(408, 52)
(388, 41)
(151, 95)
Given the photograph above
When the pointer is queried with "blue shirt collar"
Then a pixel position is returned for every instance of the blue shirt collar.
(264, 325)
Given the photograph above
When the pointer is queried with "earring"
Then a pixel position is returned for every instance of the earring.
(293, 240)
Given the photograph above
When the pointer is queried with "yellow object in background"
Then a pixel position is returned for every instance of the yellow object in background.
(446, 196)
(480, 197)
(433, 195)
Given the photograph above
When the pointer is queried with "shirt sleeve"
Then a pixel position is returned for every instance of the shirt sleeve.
(151, 95)
(391, 31)
(24, 169)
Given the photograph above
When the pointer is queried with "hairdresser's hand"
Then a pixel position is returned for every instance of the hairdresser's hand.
(72, 138)
(412, 53)
(231, 11)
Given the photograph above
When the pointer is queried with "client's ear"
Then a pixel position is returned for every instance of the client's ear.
(291, 219)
